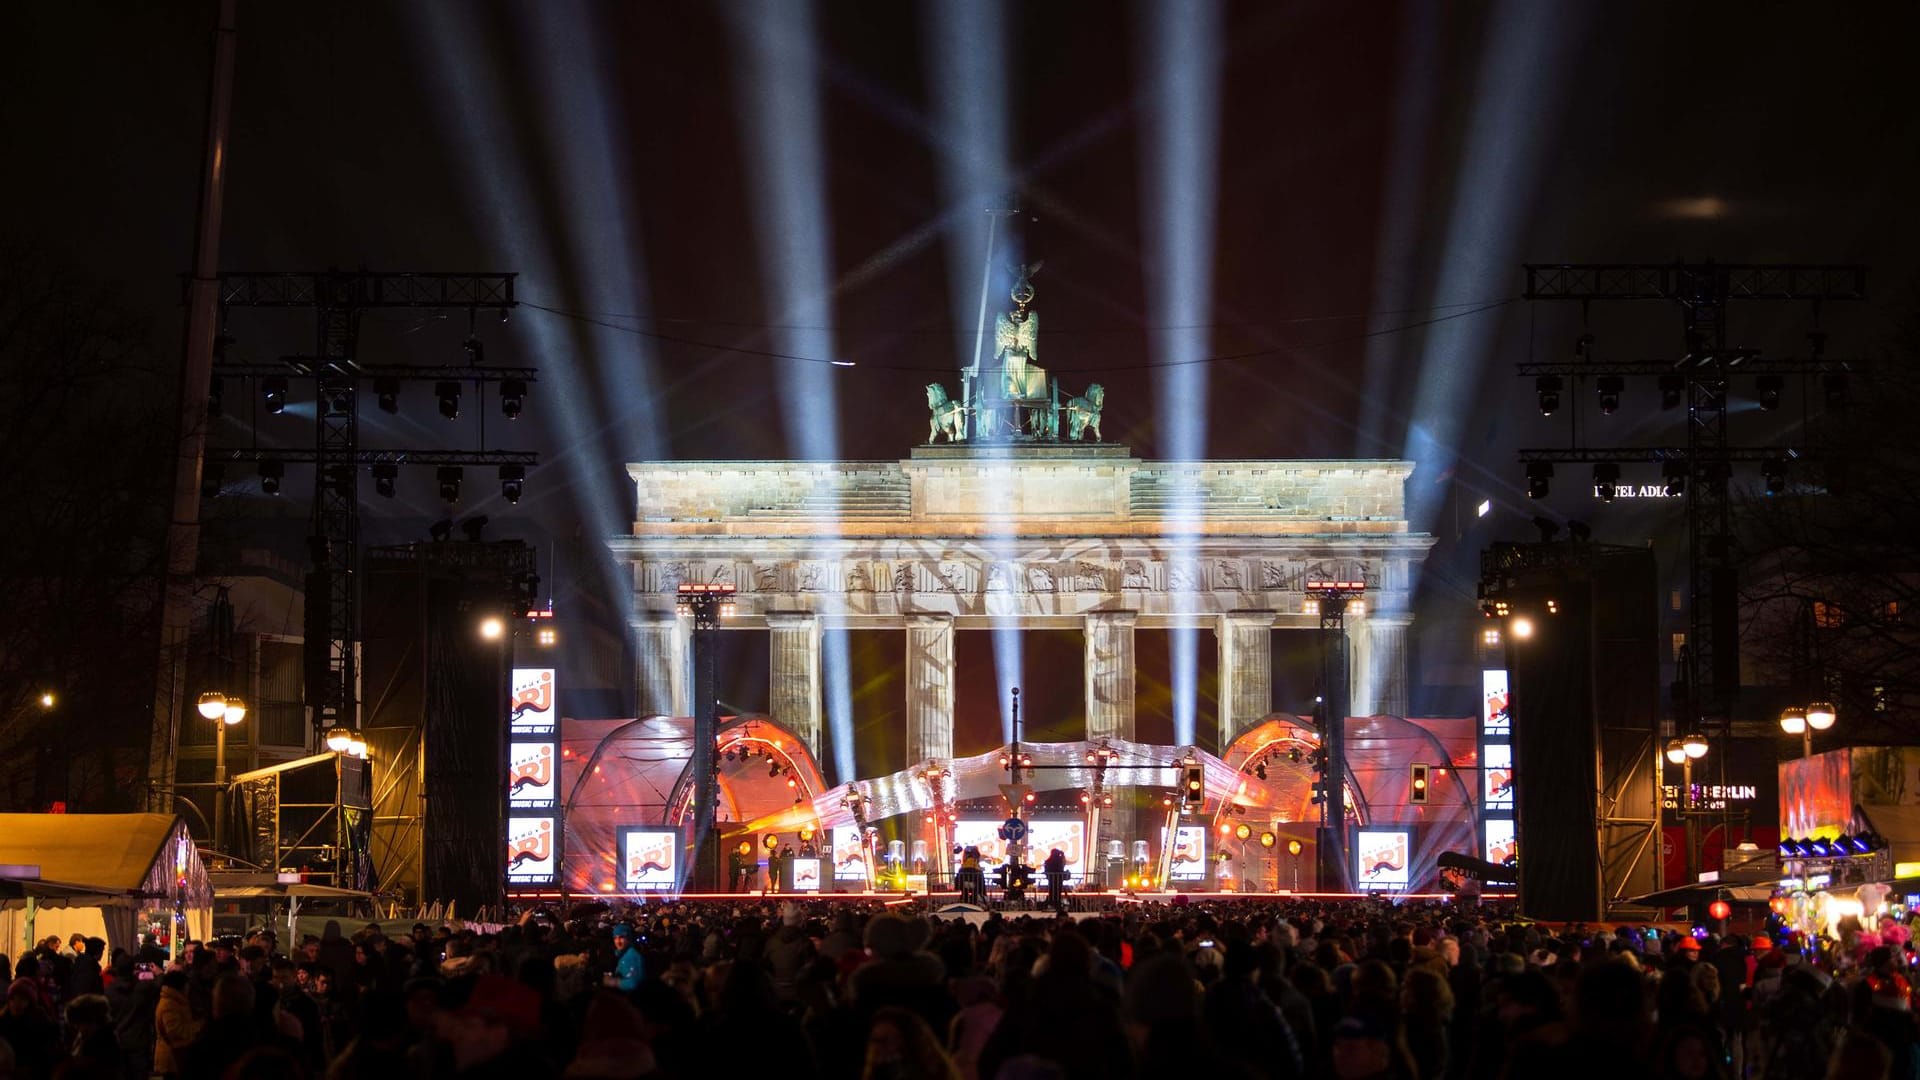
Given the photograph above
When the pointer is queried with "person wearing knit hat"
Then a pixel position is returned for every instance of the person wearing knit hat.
(629, 967)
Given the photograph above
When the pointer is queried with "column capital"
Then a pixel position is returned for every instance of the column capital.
(1251, 619)
(1390, 618)
(797, 620)
(928, 620)
(666, 617)
(1116, 618)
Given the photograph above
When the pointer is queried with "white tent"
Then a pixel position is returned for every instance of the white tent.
(103, 875)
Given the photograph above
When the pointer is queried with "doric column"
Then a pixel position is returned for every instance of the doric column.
(1109, 681)
(1246, 671)
(662, 671)
(1386, 636)
(929, 687)
(793, 693)
(1360, 677)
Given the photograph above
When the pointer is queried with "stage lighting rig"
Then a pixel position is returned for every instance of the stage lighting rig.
(1606, 480)
(384, 476)
(273, 391)
(449, 477)
(513, 398)
(386, 392)
(513, 482)
(1547, 389)
(1767, 391)
(1673, 390)
(447, 392)
(1539, 479)
(1609, 388)
(271, 473)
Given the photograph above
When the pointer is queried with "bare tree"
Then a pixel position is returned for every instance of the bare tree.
(84, 441)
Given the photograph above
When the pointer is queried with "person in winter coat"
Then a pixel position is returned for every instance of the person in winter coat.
(132, 996)
(174, 1027)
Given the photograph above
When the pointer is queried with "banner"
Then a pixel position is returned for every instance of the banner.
(530, 702)
(648, 859)
(806, 876)
(1380, 859)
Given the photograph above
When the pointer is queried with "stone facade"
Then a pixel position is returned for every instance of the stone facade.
(1043, 536)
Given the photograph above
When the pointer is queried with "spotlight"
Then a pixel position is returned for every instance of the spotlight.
(1260, 770)
(1547, 387)
(1774, 472)
(493, 627)
(1242, 831)
(1609, 388)
(1834, 386)
(273, 389)
(271, 473)
(476, 354)
(1675, 473)
(773, 768)
(1579, 532)
(1548, 529)
(449, 477)
(513, 397)
(1820, 849)
(1294, 848)
(1539, 479)
(513, 481)
(441, 531)
(1606, 480)
(1767, 390)
(384, 475)
(1672, 389)
(449, 394)
(1267, 839)
(386, 390)
(1789, 849)
(1294, 755)
(210, 478)
(1521, 628)
(473, 527)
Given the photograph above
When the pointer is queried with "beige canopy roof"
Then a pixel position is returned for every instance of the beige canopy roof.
(109, 852)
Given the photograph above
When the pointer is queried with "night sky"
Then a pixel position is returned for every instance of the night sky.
(1398, 160)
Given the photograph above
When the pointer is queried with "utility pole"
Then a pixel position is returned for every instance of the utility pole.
(183, 524)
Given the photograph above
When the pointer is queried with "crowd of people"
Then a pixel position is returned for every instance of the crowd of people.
(895, 991)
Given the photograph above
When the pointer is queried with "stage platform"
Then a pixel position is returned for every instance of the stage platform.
(1088, 903)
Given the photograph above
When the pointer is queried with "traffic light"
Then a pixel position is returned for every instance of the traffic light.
(1196, 786)
(1417, 790)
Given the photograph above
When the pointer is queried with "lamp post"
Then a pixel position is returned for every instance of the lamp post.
(1818, 716)
(225, 712)
(1684, 751)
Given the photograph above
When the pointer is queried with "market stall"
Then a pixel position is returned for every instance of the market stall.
(112, 876)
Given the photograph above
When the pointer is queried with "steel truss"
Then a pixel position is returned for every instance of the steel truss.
(338, 299)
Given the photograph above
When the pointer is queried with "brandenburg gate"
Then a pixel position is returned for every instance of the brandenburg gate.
(1019, 519)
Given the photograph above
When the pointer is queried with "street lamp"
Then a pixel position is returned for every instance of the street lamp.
(1684, 751)
(225, 712)
(339, 738)
(1819, 716)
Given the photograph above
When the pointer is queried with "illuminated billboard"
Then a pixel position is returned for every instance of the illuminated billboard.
(1189, 861)
(1502, 849)
(849, 854)
(1497, 767)
(530, 703)
(1380, 859)
(1496, 717)
(531, 775)
(532, 850)
(649, 859)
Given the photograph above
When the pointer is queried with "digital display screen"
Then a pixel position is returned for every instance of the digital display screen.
(806, 875)
(1502, 849)
(530, 775)
(1495, 712)
(1042, 836)
(1189, 861)
(533, 847)
(1498, 770)
(648, 859)
(1380, 859)
(530, 706)
(849, 854)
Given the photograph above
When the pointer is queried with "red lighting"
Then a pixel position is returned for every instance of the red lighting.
(1720, 909)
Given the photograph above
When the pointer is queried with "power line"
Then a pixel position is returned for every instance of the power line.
(1253, 354)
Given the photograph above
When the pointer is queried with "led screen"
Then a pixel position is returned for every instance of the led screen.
(1495, 715)
(1498, 770)
(532, 848)
(530, 708)
(648, 859)
(1380, 859)
(530, 774)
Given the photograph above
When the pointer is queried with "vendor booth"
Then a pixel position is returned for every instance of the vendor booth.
(111, 876)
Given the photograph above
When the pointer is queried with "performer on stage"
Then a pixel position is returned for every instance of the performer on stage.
(1056, 870)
